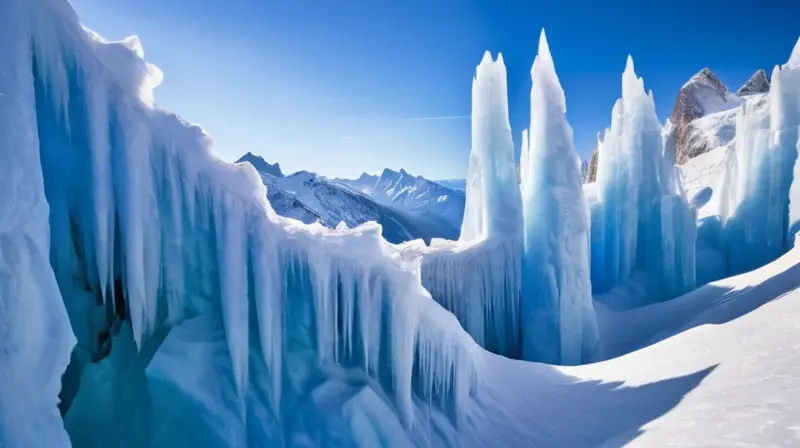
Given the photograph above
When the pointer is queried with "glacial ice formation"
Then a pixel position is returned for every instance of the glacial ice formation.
(35, 338)
(157, 244)
(642, 225)
(493, 200)
(477, 278)
(760, 219)
(557, 316)
(200, 317)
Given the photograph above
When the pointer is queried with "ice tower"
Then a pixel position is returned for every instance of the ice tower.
(493, 201)
(557, 315)
(642, 225)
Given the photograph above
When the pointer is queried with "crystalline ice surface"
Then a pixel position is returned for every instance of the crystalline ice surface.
(641, 222)
(557, 315)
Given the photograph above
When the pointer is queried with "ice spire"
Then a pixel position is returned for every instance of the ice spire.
(558, 321)
(492, 195)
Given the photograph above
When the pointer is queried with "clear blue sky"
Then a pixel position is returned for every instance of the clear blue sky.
(340, 87)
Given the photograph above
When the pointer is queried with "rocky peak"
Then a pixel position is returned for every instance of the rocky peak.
(758, 83)
(702, 95)
(591, 170)
(261, 165)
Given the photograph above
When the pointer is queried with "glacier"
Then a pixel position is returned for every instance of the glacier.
(558, 319)
(183, 311)
(643, 228)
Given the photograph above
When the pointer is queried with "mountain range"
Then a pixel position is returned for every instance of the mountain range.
(407, 207)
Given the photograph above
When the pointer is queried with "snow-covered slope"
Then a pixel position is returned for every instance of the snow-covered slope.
(309, 198)
(415, 194)
(721, 368)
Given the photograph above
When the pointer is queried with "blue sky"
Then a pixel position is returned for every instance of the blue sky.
(341, 87)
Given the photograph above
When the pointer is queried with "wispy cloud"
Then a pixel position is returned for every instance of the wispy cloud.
(436, 118)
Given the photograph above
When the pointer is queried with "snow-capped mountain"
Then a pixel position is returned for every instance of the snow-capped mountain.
(758, 83)
(415, 194)
(309, 198)
(702, 95)
(261, 165)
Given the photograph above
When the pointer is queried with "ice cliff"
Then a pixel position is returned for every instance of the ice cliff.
(186, 298)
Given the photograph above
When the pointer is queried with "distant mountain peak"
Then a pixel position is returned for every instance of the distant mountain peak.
(702, 95)
(707, 77)
(758, 83)
(261, 165)
(366, 177)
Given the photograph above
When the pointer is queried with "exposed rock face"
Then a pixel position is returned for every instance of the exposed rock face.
(758, 83)
(704, 94)
(591, 171)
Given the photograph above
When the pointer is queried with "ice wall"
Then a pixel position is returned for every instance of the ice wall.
(170, 261)
(557, 316)
(35, 338)
(641, 223)
(789, 109)
(477, 278)
(759, 218)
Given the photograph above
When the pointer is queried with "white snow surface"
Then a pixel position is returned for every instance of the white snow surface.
(252, 329)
